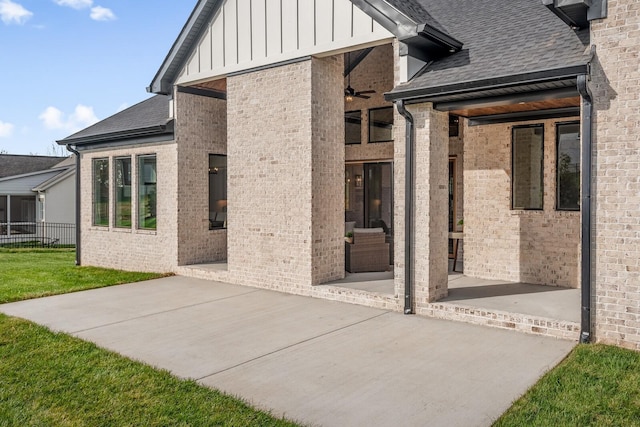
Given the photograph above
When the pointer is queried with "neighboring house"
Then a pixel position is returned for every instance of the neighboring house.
(36, 190)
(520, 116)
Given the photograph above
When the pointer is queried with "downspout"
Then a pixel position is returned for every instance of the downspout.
(585, 282)
(78, 246)
(408, 208)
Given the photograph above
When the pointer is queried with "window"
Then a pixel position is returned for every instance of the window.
(454, 126)
(101, 192)
(217, 191)
(527, 167)
(352, 127)
(22, 214)
(568, 166)
(147, 195)
(381, 124)
(3, 215)
(122, 166)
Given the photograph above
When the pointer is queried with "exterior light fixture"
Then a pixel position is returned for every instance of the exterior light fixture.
(358, 180)
(348, 98)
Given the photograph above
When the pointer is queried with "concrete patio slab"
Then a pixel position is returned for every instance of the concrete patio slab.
(320, 362)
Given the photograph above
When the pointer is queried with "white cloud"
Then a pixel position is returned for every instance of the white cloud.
(122, 107)
(100, 13)
(76, 4)
(82, 116)
(11, 12)
(6, 129)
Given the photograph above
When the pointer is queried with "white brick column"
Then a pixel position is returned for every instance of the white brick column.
(286, 175)
(616, 175)
(327, 115)
(431, 154)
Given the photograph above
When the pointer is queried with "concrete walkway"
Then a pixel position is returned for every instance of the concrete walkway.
(319, 362)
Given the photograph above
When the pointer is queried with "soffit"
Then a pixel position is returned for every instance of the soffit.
(519, 107)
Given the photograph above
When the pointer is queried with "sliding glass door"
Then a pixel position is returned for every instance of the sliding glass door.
(369, 196)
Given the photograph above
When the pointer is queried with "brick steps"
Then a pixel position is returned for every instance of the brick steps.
(215, 272)
(526, 323)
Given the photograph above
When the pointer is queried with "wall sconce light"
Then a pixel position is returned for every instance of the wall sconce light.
(358, 180)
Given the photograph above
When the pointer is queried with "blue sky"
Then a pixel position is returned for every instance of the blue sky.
(65, 64)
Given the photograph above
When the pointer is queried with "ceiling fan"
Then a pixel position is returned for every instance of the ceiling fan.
(350, 93)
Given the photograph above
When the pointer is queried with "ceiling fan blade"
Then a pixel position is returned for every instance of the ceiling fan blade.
(366, 91)
(359, 95)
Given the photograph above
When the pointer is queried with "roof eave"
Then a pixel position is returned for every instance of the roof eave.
(181, 49)
(423, 94)
(121, 135)
(44, 186)
(404, 28)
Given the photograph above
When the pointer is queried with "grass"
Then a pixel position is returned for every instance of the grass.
(33, 273)
(596, 385)
(52, 379)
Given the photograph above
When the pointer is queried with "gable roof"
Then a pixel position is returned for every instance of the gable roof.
(150, 117)
(64, 174)
(182, 47)
(15, 164)
(505, 42)
(408, 20)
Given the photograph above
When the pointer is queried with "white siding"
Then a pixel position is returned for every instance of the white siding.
(60, 201)
(251, 33)
(23, 185)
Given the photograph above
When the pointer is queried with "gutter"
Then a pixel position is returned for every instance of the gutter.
(408, 208)
(419, 94)
(585, 207)
(121, 135)
(78, 246)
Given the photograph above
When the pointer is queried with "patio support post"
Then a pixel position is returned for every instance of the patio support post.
(408, 208)
(74, 151)
(585, 207)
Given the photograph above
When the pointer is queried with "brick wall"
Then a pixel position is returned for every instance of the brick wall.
(431, 207)
(201, 129)
(539, 247)
(375, 72)
(132, 249)
(616, 192)
(275, 225)
(327, 141)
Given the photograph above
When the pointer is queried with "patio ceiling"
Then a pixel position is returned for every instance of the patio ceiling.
(553, 104)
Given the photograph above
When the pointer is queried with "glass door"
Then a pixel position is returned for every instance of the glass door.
(369, 197)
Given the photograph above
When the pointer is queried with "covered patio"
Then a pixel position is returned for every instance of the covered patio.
(533, 309)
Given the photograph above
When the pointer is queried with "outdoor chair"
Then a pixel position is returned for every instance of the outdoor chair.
(368, 252)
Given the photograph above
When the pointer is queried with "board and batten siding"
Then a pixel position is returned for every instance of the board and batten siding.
(245, 34)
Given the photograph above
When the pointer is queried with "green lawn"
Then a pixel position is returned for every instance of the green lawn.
(596, 385)
(32, 273)
(52, 379)
(49, 379)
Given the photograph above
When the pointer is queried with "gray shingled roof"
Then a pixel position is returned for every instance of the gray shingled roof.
(501, 38)
(148, 114)
(417, 12)
(13, 164)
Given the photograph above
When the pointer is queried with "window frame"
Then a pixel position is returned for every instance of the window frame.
(345, 127)
(116, 203)
(94, 162)
(557, 202)
(370, 124)
(211, 221)
(513, 168)
(141, 182)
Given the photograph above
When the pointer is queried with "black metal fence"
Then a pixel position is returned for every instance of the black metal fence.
(37, 235)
